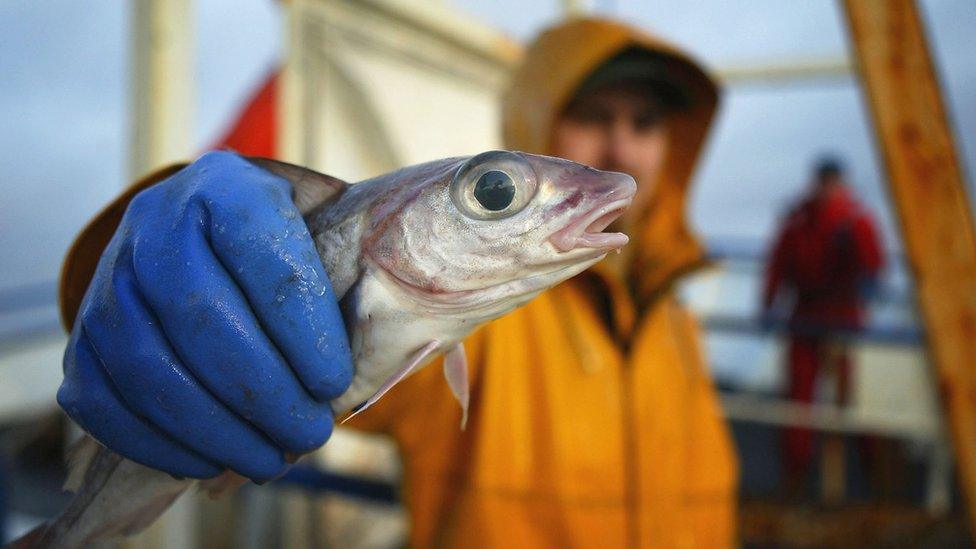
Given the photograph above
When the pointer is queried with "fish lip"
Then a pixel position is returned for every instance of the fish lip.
(575, 235)
(469, 303)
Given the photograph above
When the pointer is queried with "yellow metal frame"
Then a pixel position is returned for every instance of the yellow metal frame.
(929, 193)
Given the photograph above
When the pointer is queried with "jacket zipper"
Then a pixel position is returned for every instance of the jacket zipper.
(631, 470)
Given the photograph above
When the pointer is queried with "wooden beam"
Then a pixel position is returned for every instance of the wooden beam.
(929, 193)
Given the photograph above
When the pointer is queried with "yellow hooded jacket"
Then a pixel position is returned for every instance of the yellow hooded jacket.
(593, 421)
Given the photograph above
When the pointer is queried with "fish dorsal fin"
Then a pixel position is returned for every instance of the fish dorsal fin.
(310, 189)
(418, 359)
(456, 373)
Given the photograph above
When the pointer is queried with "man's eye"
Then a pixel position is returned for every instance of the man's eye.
(589, 116)
(647, 121)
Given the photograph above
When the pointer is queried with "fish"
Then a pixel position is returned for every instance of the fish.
(418, 258)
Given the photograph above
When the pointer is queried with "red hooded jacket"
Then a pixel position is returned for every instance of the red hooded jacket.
(827, 249)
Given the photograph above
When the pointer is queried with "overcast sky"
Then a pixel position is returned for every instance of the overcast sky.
(63, 102)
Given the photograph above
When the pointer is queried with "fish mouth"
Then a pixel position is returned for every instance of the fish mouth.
(587, 230)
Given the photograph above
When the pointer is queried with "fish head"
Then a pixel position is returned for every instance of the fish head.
(486, 233)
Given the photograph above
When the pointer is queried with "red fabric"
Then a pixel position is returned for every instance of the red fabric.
(827, 247)
(254, 133)
(808, 358)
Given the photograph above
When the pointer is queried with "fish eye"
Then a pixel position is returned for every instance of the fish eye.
(493, 185)
(495, 190)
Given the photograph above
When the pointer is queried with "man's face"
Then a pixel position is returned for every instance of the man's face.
(826, 184)
(618, 128)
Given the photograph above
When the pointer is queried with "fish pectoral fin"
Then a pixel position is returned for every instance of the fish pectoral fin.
(456, 373)
(418, 359)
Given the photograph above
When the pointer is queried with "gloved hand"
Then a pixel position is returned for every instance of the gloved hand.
(209, 337)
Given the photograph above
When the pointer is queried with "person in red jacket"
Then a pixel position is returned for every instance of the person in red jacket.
(825, 260)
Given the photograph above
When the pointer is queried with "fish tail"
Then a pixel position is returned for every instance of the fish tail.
(113, 497)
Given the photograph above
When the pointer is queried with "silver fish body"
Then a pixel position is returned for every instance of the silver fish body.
(419, 258)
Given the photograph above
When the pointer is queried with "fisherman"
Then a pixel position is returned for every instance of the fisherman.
(824, 263)
(593, 420)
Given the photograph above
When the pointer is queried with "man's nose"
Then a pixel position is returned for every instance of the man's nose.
(620, 140)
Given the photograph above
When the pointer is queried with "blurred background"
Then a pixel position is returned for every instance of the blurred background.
(90, 102)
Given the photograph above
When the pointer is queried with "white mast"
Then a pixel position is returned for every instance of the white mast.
(161, 73)
(162, 83)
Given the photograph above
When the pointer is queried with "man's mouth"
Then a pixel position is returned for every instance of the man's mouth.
(587, 230)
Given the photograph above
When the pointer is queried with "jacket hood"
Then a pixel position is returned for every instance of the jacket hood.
(552, 71)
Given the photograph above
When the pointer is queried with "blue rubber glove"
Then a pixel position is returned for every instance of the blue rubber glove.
(209, 338)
